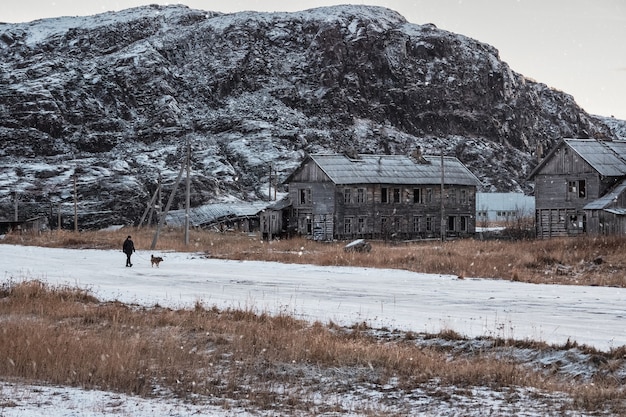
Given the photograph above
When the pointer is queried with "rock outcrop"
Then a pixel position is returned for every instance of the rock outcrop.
(114, 99)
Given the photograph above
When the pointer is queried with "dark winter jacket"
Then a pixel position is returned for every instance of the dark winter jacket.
(129, 246)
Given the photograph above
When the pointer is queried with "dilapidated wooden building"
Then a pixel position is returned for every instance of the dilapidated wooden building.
(580, 188)
(382, 196)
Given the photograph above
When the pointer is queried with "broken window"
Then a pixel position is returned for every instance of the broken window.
(305, 196)
(383, 195)
(396, 195)
(417, 196)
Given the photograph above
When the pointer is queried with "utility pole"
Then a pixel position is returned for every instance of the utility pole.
(269, 191)
(75, 206)
(15, 200)
(276, 181)
(150, 207)
(159, 208)
(187, 193)
(167, 207)
(443, 217)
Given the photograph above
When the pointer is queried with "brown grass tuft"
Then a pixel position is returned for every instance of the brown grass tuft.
(573, 261)
(66, 336)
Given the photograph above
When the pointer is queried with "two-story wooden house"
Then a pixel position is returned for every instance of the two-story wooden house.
(382, 196)
(580, 188)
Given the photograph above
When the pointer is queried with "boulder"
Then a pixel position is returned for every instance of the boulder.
(359, 245)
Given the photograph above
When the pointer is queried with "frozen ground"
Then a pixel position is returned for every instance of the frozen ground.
(388, 298)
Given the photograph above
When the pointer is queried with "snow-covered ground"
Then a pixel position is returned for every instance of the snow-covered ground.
(380, 297)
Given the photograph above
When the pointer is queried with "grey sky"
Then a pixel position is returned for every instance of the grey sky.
(576, 46)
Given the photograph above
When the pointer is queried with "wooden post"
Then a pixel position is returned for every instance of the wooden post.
(16, 215)
(167, 207)
(75, 206)
(269, 191)
(187, 193)
(149, 208)
(443, 217)
(159, 208)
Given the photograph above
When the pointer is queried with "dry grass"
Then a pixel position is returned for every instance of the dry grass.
(66, 336)
(597, 261)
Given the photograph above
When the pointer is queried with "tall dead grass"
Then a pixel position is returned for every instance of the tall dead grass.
(575, 261)
(66, 336)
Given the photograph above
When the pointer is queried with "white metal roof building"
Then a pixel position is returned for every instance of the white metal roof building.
(496, 207)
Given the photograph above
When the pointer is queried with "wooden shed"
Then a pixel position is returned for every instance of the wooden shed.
(32, 225)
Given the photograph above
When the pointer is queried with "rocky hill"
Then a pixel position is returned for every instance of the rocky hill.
(112, 100)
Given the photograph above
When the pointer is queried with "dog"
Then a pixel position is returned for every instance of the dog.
(155, 260)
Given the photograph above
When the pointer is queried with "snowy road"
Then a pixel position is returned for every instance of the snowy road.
(395, 299)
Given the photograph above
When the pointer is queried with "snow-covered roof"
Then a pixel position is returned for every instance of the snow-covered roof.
(393, 169)
(608, 158)
(608, 199)
(617, 211)
(213, 213)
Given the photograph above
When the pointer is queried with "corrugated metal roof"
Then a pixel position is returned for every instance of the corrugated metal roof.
(608, 199)
(393, 169)
(213, 213)
(618, 211)
(505, 201)
(606, 157)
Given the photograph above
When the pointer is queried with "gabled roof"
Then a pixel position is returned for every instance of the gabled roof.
(391, 169)
(608, 158)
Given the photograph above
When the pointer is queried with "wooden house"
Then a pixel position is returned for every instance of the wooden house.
(580, 189)
(382, 196)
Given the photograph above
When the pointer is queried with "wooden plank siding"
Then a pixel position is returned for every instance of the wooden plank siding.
(563, 187)
(360, 211)
(576, 175)
(366, 207)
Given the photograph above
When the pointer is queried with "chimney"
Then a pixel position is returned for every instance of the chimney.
(416, 155)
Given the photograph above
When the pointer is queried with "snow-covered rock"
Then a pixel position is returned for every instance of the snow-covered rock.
(113, 99)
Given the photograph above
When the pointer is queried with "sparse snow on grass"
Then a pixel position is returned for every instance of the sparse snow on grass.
(384, 299)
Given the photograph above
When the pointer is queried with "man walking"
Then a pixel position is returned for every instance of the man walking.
(128, 248)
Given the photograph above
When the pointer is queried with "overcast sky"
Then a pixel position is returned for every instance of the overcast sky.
(576, 46)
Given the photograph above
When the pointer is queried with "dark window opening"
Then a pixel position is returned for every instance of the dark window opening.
(417, 195)
(451, 223)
